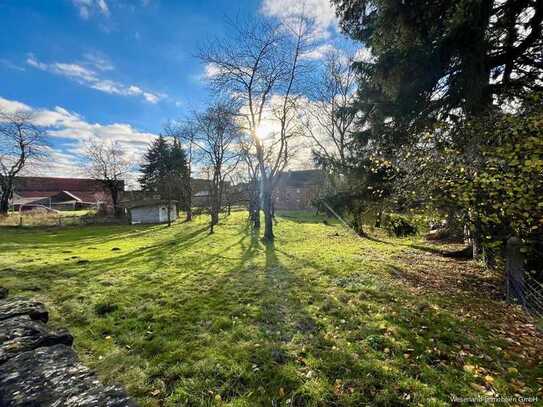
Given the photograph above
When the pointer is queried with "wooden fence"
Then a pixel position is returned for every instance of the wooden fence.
(57, 220)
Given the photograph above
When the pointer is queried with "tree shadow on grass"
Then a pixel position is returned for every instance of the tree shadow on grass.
(56, 238)
(300, 217)
(269, 319)
(75, 268)
(375, 239)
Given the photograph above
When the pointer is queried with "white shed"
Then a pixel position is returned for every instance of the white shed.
(151, 211)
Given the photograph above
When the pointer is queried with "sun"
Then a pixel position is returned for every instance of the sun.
(264, 130)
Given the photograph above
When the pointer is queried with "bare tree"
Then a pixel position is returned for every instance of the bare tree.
(21, 142)
(262, 65)
(217, 139)
(107, 162)
(329, 119)
(252, 180)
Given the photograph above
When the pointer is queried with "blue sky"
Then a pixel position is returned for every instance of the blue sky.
(116, 67)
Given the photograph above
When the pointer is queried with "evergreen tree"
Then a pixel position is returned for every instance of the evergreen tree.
(165, 170)
(178, 168)
(442, 60)
(438, 69)
(155, 166)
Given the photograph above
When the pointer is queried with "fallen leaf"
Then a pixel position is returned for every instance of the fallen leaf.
(477, 387)
(469, 368)
(512, 370)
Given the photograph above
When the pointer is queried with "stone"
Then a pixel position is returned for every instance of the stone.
(15, 306)
(3, 292)
(20, 334)
(53, 376)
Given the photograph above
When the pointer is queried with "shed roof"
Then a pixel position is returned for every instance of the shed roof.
(146, 203)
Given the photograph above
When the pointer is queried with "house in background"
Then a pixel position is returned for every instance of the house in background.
(296, 190)
(59, 193)
(151, 211)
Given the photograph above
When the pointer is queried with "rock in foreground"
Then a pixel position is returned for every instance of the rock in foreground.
(38, 367)
(53, 376)
(22, 306)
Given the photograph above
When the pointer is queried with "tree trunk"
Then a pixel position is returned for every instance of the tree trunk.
(267, 206)
(254, 206)
(4, 198)
(268, 226)
(115, 201)
(256, 216)
(188, 201)
(358, 223)
(215, 203)
(214, 216)
(169, 213)
(4, 204)
(476, 242)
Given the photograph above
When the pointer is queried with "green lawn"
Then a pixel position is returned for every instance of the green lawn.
(181, 317)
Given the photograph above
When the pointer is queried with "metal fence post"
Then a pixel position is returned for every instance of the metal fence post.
(515, 271)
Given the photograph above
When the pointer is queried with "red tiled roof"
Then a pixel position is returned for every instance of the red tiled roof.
(36, 194)
(87, 190)
(56, 184)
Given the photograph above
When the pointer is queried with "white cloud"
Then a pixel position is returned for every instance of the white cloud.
(321, 11)
(75, 131)
(211, 70)
(98, 61)
(364, 55)
(102, 5)
(12, 106)
(319, 52)
(88, 7)
(89, 77)
(151, 97)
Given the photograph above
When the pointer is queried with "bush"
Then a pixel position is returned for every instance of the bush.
(399, 225)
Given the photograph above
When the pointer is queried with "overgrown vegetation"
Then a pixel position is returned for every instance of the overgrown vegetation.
(449, 106)
(319, 318)
(398, 225)
(45, 218)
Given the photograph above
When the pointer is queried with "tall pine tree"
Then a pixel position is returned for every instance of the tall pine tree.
(438, 70)
(165, 170)
(155, 166)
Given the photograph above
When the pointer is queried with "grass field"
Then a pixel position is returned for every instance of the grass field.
(181, 317)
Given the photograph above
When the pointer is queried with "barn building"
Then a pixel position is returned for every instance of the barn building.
(59, 193)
